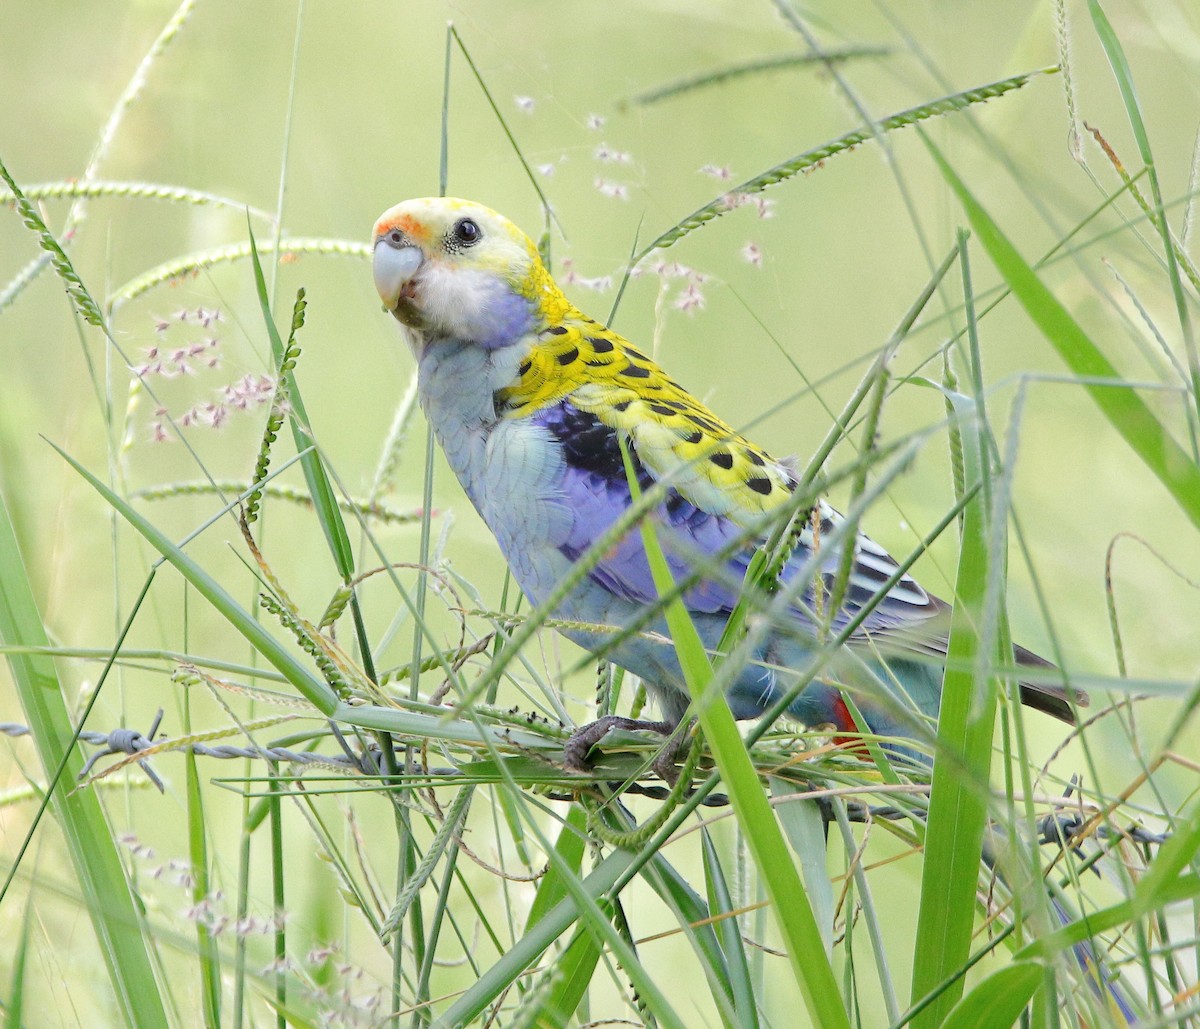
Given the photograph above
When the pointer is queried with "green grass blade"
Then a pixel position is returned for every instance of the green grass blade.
(209, 959)
(811, 158)
(999, 999)
(694, 917)
(1176, 854)
(410, 723)
(1133, 109)
(1128, 413)
(279, 899)
(313, 689)
(529, 949)
(957, 803)
(1184, 887)
(114, 912)
(789, 901)
(805, 830)
(571, 974)
(14, 1006)
(323, 497)
(571, 842)
(737, 968)
(873, 915)
(759, 66)
(596, 914)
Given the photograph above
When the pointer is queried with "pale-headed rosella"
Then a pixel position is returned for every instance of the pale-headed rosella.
(530, 398)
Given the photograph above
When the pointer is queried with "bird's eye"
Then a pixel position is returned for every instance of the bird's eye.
(466, 232)
(396, 237)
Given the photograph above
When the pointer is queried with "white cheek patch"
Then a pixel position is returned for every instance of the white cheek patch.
(457, 300)
(473, 304)
(451, 297)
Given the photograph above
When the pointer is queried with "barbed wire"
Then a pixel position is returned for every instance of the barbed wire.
(131, 742)
(1061, 829)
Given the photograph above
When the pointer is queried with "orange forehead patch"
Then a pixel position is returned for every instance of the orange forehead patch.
(412, 227)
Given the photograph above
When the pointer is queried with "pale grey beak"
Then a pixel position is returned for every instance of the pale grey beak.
(394, 268)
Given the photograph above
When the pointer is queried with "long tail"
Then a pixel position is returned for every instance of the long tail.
(1103, 982)
(822, 703)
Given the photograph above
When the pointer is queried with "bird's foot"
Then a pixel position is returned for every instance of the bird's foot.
(575, 754)
(666, 761)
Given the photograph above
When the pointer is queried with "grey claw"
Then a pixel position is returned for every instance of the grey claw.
(575, 753)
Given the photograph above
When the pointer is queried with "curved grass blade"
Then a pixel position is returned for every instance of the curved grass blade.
(324, 499)
(93, 189)
(116, 920)
(999, 999)
(789, 901)
(181, 267)
(966, 724)
(744, 69)
(1129, 414)
(811, 158)
(313, 689)
(720, 901)
(1121, 72)
(527, 950)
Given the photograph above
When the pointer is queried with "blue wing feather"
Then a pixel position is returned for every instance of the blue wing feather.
(597, 493)
(710, 549)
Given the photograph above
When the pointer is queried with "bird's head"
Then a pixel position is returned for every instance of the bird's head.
(454, 269)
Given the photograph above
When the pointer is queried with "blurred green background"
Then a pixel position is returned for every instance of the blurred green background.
(328, 113)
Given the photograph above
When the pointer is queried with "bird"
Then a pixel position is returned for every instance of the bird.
(537, 407)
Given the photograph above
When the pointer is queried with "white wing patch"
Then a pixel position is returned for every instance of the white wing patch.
(872, 568)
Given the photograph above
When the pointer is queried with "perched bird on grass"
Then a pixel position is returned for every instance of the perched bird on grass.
(530, 400)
